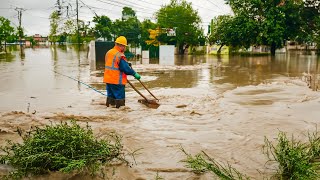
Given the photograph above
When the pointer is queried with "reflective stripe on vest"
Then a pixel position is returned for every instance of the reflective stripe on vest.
(113, 61)
(120, 78)
(112, 68)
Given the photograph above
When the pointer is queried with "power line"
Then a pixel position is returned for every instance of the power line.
(215, 4)
(37, 16)
(12, 18)
(89, 8)
(139, 6)
(113, 10)
(207, 8)
(118, 11)
(111, 2)
(149, 3)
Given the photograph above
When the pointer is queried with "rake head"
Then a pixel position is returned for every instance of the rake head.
(149, 103)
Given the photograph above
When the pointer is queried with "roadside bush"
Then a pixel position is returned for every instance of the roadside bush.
(63, 147)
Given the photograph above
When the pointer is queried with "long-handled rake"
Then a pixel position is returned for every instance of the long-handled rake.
(149, 103)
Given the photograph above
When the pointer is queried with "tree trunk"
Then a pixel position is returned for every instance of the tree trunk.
(306, 47)
(181, 50)
(273, 49)
(219, 50)
(184, 49)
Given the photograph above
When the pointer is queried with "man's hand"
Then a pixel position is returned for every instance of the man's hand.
(137, 76)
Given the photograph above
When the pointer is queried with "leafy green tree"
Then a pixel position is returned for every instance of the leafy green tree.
(117, 28)
(84, 28)
(132, 30)
(310, 30)
(129, 26)
(6, 30)
(146, 25)
(275, 19)
(181, 16)
(238, 31)
(54, 25)
(70, 27)
(246, 30)
(272, 26)
(294, 20)
(12, 38)
(317, 36)
(221, 30)
(128, 12)
(103, 27)
(61, 38)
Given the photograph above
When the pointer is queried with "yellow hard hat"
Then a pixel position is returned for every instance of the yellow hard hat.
(121, 40)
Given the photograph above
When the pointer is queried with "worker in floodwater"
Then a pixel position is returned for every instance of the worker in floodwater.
(115, 73)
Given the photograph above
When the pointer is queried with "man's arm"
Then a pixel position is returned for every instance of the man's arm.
(124, 67)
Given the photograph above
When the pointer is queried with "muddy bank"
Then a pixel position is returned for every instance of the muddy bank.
(228, 123)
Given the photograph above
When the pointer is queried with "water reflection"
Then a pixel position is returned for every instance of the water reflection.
(173, 79)
(7, 57)
(22, 53)
(189, 60)
(34, 76)
(238, 70)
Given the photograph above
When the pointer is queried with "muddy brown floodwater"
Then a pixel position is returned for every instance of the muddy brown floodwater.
(224, 106)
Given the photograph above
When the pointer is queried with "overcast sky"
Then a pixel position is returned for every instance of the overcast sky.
(35, 14)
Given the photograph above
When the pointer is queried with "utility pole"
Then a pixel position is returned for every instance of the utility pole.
(19, 10)
(59, 7)
(78, 36)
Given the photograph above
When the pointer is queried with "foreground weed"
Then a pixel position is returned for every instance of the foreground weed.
(296, 160)
(158, 177)
(63, 147)
(202, 162)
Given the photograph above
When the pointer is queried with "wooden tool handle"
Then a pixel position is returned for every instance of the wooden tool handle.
(147, 90)
(137, 91)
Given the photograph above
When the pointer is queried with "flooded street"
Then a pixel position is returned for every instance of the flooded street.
(224, 106)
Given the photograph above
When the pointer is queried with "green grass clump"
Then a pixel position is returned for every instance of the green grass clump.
(63, 147)
(202, 162)
(296, 160)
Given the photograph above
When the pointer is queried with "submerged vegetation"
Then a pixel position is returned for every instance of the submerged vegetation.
(295, 160)
(65, 147)
(202, 162)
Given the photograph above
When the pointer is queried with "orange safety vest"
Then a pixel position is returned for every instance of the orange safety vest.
(112, 74)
